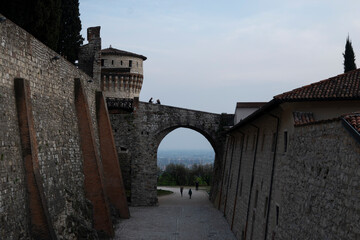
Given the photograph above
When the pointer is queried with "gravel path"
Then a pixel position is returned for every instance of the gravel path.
(176, 218)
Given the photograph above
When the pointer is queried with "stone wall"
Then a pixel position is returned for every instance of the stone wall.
(138, 135)
(310, 191)
(320, 184)
(90, 54)
(56, 133)
(246, 178)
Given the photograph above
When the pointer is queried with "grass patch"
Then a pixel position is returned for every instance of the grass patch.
(161, 192)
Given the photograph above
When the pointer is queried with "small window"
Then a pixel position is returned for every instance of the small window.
(266, 206)
(112, 62)
(137, 64)
(253, 143)
(273, 146)
(102, 62)
(130, 63)
(246, 142)
(122, 149)
(285, 140)
(241, 184)
(256, 198)
(252, 225)
(277, 214)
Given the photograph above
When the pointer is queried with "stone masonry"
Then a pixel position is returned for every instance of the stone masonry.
(320, 184)
(48, 118)
(138, 136)
(307, 190)
(276, 175)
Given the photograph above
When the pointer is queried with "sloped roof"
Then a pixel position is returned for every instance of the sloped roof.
(342, 87)
(354, 120)
(114, 51)
(301, 118)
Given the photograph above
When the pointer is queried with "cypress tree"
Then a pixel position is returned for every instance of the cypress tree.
(41, 18)
(70, 26)
(349, 57)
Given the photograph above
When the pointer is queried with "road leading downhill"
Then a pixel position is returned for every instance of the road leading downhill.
(176, 218)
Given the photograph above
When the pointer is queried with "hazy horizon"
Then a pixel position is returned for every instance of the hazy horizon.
(184, 139)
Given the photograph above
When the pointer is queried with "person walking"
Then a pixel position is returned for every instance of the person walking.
(190, 193)
(181, 190)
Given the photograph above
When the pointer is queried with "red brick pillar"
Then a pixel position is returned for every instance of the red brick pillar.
(94, 188)
(40, 224)
(113, 179)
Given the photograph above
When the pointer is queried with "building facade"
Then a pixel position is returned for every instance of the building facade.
(291, 168)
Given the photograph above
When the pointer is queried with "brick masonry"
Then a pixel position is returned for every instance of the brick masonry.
(112, 174)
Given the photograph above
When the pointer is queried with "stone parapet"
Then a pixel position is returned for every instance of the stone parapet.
(125, 85)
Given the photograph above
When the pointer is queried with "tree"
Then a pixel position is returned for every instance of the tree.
(208, 173)
(179, 173)
(41, 18)
(349, 57)
(56, 23)
(70, 38)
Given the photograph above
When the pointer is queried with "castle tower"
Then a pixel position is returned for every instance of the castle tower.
(121, 73)
(89, 54)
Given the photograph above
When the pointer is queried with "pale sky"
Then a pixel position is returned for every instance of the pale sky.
(208, 55)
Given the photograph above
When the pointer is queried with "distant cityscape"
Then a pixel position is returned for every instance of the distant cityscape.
(186, 157)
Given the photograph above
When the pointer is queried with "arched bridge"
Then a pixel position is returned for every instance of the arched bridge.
(138, 135)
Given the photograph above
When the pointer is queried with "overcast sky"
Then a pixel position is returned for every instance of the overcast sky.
(208, 55)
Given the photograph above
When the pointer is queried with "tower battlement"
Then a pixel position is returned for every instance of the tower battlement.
(118, 73)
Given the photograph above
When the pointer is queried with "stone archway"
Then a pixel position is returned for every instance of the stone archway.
(138, 135)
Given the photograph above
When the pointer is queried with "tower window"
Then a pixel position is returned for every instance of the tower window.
(102, 62)
(121, 62)
(112, 62)
(130, 63)
(285, 140)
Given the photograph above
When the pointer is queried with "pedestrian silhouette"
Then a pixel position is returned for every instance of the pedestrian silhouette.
(151, 100)
(197, 185)
(190, 193)
(181, 190)
(158, 101)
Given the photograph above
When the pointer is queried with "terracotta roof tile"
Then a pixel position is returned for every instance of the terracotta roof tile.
(344, 86)
(301, 118)
(354, 120)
